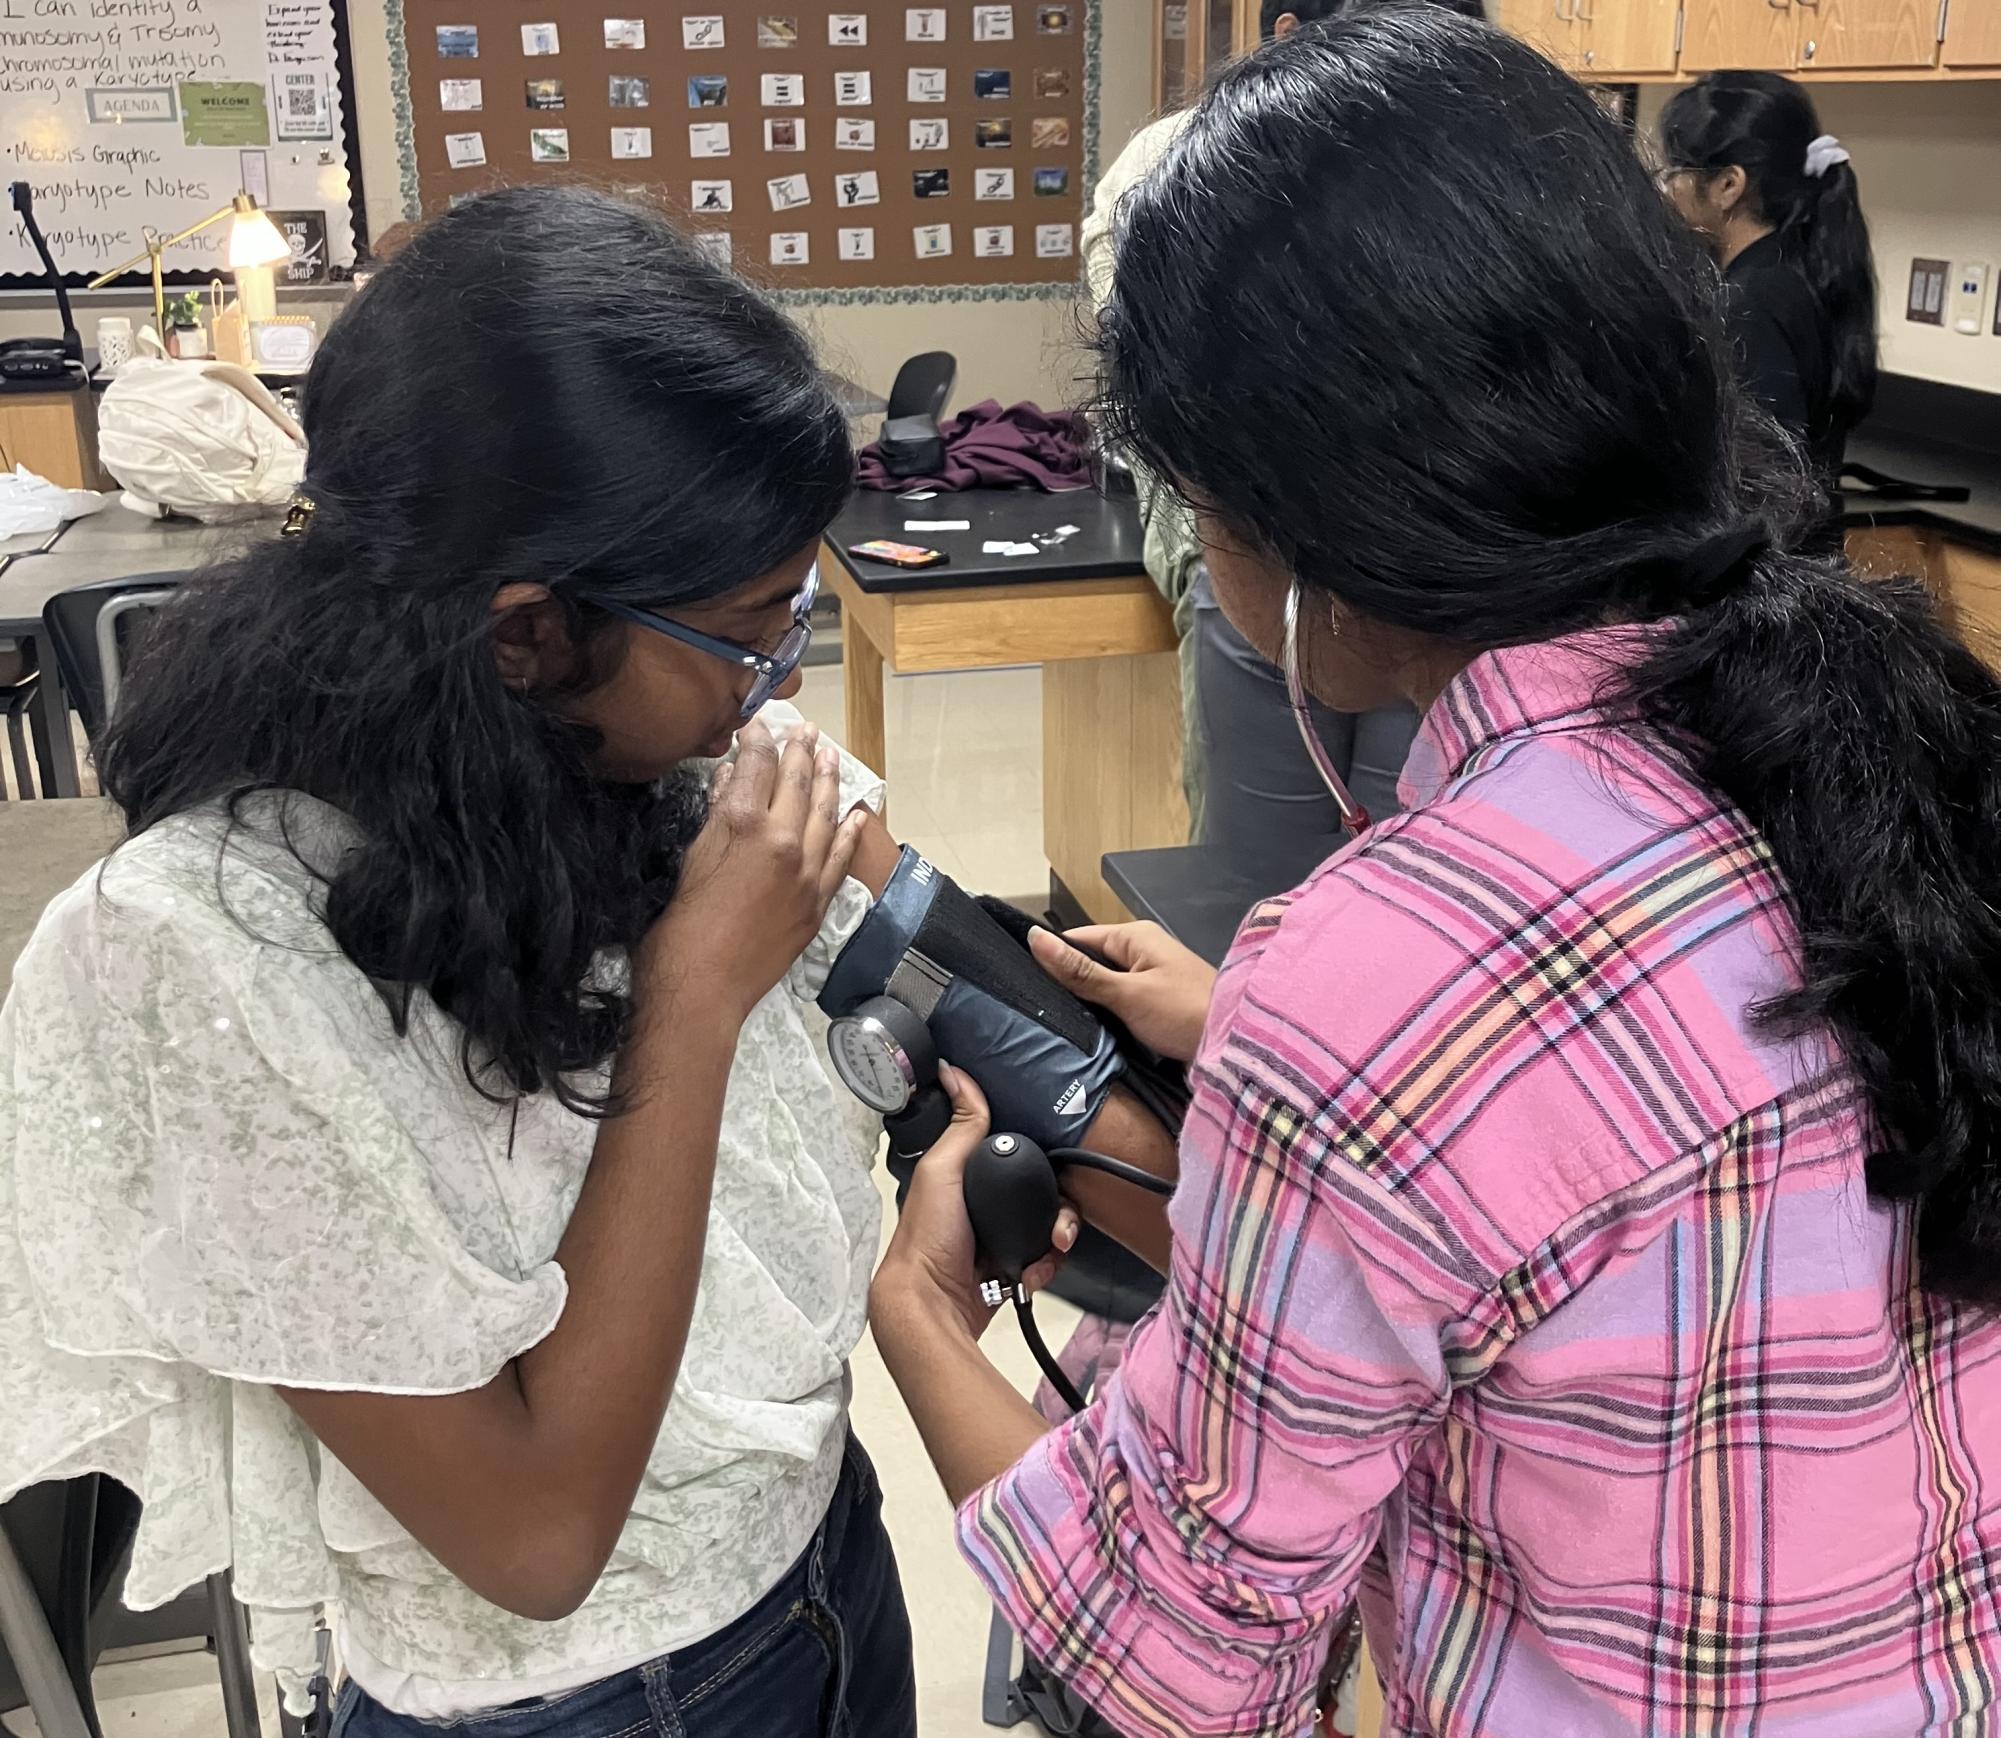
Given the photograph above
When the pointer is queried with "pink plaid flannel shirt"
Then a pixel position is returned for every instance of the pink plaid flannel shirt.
(1526, 1288)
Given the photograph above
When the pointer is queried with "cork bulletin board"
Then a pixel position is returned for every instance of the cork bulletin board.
(836, 150)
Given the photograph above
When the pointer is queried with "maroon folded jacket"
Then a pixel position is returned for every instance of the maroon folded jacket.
(986, 447)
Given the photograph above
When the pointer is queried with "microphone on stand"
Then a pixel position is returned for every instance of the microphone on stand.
(42, 358)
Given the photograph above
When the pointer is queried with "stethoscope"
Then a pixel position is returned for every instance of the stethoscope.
(1353, 816)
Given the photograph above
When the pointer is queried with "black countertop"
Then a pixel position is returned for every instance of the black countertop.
(1198, 894)
(1922, 432)
(1104, 545)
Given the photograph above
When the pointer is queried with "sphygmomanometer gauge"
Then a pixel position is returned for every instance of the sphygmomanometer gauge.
(883, 1054)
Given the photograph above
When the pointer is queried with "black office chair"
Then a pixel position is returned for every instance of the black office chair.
(911, 445)
(94, 631)
(923, 386)
(18, 681)
(64, 1549)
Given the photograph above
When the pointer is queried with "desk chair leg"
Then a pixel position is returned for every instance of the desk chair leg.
(17, 745)
(25, 1629)
(55, 747)
(232, 1659)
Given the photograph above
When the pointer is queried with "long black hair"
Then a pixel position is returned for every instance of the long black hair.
(1762, 123)
(550, 386)
(1402, 307)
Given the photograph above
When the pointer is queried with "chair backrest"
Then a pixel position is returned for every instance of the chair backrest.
(94, 630)
(71, 1539)
(70, 1542)
(923, 386)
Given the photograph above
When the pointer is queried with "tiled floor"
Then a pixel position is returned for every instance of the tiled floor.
(965, 766)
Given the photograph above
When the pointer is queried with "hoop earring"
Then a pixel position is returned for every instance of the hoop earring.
(1353, 816)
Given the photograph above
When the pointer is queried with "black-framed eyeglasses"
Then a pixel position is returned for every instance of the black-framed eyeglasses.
(772, 668)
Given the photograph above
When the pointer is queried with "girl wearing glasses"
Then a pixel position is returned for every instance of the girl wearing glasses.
(420, 1180)
(1776, 200)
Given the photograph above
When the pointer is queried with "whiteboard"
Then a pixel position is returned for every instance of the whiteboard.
(129, 114)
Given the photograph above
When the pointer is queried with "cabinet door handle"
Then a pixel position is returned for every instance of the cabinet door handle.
(1584, 17)
(1591, 57)
(1811, 49)
(1778, 5)
(1563, 17)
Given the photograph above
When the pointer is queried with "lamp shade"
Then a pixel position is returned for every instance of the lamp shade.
(254, 241)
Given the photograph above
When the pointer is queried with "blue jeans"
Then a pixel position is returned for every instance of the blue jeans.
(825, 1654)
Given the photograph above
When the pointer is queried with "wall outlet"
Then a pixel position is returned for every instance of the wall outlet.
(1969, 296)
(1926, 302)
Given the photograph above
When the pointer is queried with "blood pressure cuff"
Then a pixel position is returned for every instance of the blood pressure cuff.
(1044, 1060)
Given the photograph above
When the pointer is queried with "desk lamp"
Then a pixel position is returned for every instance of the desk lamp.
(255, 246)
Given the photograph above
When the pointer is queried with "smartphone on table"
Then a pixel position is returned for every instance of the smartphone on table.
(897, 554)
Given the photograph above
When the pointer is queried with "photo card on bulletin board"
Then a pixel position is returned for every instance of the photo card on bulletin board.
(887, 152)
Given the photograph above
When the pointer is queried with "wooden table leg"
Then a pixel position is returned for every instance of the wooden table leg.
(1111, 768)
(861, 689)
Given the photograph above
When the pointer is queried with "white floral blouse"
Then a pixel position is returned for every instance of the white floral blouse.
(220, 1169)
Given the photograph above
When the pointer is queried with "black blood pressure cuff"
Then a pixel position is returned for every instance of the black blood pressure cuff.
(1044, 1060)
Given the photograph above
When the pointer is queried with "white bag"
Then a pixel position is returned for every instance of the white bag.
(201, 438)
(31, 505)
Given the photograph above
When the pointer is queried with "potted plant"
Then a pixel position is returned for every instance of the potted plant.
(185, 335)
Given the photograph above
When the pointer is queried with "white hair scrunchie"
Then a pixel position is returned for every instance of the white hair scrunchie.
(1823, 154)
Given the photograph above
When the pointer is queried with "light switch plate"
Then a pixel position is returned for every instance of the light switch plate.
(1926, 302)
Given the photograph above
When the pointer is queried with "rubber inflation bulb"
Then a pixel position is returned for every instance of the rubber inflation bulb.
(1012, 1202)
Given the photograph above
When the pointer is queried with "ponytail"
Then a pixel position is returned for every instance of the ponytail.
(1862, 741)
(1558, 444)
(1826, 237)
(1804, 186)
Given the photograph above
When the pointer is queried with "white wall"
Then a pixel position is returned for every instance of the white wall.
(1928, 157)
(1006, 350)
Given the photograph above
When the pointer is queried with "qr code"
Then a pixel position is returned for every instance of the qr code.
(302, 99)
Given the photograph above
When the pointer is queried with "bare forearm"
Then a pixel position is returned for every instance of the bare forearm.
(974, 1425)
(598, 1386)
(1126, 1129)
(520, 1487)
(876, 856)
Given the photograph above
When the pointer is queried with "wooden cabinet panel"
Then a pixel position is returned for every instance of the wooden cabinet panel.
(1867, 33)
(55, 435)
(1973, 33)
(1549, 26)
(1973, 583)
(1756, 35)
(1898, 550)
(1629, 36)
(1176, 74)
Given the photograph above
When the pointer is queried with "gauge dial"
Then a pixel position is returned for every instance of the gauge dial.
(872, 1063)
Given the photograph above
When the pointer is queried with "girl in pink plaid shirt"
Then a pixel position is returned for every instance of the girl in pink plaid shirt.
(1589, 1220)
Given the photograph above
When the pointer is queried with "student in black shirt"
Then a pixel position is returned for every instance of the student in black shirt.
(1749, 167)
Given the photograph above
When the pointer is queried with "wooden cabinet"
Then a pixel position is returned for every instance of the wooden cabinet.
(1597, 38)
(1972, 584)
(1967, 580)
(1191, 38)
(1973, 33)
(1549, 26)
(1753, 35)
(1661, 39)
(1629, 38)
(55, 435)
(1884, 34)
